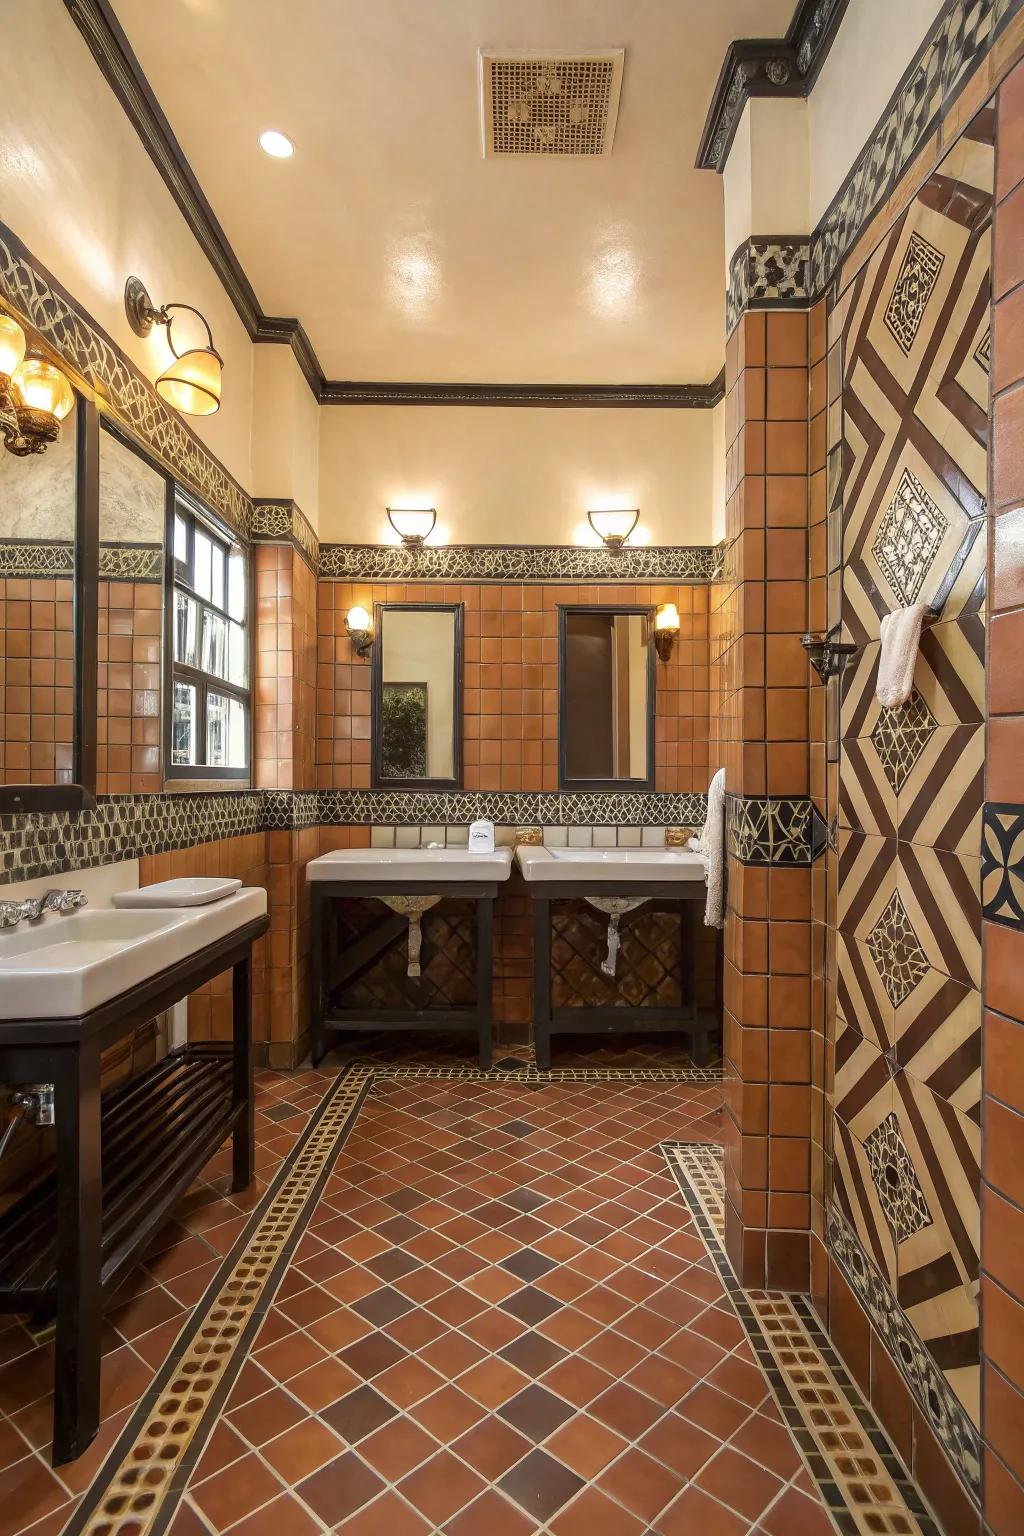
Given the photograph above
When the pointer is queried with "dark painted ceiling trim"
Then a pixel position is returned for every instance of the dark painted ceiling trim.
(124, 74)
(784, 66)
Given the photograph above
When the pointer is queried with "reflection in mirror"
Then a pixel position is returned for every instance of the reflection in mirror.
(607, 697)
(417, 710)
(37, 580)
(133, 499)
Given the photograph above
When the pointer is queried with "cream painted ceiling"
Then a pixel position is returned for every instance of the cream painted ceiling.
(405, 253)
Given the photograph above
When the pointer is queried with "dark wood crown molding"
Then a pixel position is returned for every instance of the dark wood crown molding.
(784, 66)
(124, 74)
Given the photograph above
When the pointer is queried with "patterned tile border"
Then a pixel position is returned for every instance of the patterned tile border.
(27, 558)
(518, 562)
(767, 272)
(1002, 864)
(131, 562)
(143, 1478)
(943, 1410)
(855, 1466)
(131, 826)
(774, 829)
(526, 1072)
(277, 521)
(37, 298)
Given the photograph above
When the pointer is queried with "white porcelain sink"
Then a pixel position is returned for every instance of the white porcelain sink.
(609, 864)
(68, 964)
(393, 866)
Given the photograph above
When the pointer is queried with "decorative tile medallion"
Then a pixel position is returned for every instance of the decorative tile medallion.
(892, 1169)
(896, 951)
(774, 829)
(1002, 864)
(899, 738)
(914, 285)
(518, 562)
(908, 538)
(858, 1473)
(942, 1409)
(767, 272)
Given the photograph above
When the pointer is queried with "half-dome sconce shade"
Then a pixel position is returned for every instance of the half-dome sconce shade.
(191, 382)
(35, 397)
(414, 525)
(612, 526)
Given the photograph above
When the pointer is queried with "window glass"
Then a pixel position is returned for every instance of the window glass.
(183, 725)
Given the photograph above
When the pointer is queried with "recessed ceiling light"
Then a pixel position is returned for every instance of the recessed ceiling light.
(276, 144)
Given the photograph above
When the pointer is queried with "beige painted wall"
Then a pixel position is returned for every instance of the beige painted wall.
(766, 174)
(77, 187)
(285, 430)
(502, 475)
(876, 42)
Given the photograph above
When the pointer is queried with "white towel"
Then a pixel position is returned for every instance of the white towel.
(712, 846)
(901, 636)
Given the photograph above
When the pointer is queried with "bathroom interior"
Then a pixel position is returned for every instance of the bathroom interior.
(512, 768)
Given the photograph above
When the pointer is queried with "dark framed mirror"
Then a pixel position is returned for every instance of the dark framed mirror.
(606, 698)
(417, 696)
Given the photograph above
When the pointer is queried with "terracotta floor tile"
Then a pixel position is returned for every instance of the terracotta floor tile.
(694, 1512)
(397, 1448)
(358, 1414)
(578, 1381)
(625, 1410)
(540, 1485)
(340, 1488)
(235, 1492)
(585, 1445)
(643, 1485)
(593, 1514)
(491, 1515)
(492, 1446)
(301, 1450)
(441, 1487)
(407, 1382)
(266, 1416)
(284, 1516)
(388, 1515)
(493, 1381)
(447, 1414)
(535, 1412)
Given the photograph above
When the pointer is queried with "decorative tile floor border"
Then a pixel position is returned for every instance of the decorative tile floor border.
(144, 1477)
(524, 1072)
(859, 1475)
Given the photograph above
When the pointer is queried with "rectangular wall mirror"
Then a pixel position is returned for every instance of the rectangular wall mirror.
(38, 568)
(606, 698)
(417, 696)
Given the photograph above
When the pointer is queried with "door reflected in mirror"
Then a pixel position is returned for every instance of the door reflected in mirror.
(606, 701)
(38, 514)
(417, 695)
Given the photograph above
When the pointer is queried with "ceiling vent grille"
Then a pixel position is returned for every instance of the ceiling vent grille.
(536, 104)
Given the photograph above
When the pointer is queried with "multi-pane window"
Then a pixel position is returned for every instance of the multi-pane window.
(209, 705)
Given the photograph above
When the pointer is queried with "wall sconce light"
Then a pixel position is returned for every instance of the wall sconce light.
(613, 527)
(666, 629)
(359, 628)
(191, 382)
(414, 525)
(35, 396)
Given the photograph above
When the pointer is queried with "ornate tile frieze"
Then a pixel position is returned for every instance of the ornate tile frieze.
(38, 299)
(26, 558)
(1002, 864)
(942, 1409)
(767, 272)
(518, 562)
(768, 829)
(131, 562)
(276, 522)
(390, 807)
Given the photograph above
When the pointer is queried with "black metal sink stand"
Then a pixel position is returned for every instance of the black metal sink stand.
(331, 969)
(618, 1018)
(122, 1160)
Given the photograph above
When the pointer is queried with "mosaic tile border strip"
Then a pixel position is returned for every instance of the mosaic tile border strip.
(525, 1072)
(861, 1479)
(37, 298)
(1002, 864)
(767, 272)
(274, 521)
(519, 562)
(962, 35)
(131, 562)
(942, 1409)
(144, 1476)
(26, 559)
(132, 826)
(770, 829)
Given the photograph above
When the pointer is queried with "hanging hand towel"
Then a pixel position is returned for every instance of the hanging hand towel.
(713, 848)
(901, 636)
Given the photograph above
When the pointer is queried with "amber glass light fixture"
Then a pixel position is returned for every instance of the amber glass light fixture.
(413, 525)
(12, 350)
(359, 628)
(613, 526)
(191, 382)
(666, 629)
(35, 397)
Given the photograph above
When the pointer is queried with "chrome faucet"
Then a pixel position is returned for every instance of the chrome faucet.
(33, 907)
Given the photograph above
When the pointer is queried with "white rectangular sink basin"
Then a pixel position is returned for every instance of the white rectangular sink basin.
(609, 864)
(67, 964)
(394, 866)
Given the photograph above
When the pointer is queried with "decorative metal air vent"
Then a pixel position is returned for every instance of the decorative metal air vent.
(535, 104)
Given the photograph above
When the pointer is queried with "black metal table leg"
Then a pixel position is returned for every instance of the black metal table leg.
(243, 1136)
(76, 1375)
(542, 983)
(484, 975)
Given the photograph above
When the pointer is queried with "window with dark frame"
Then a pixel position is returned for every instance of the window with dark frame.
(208, 724)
